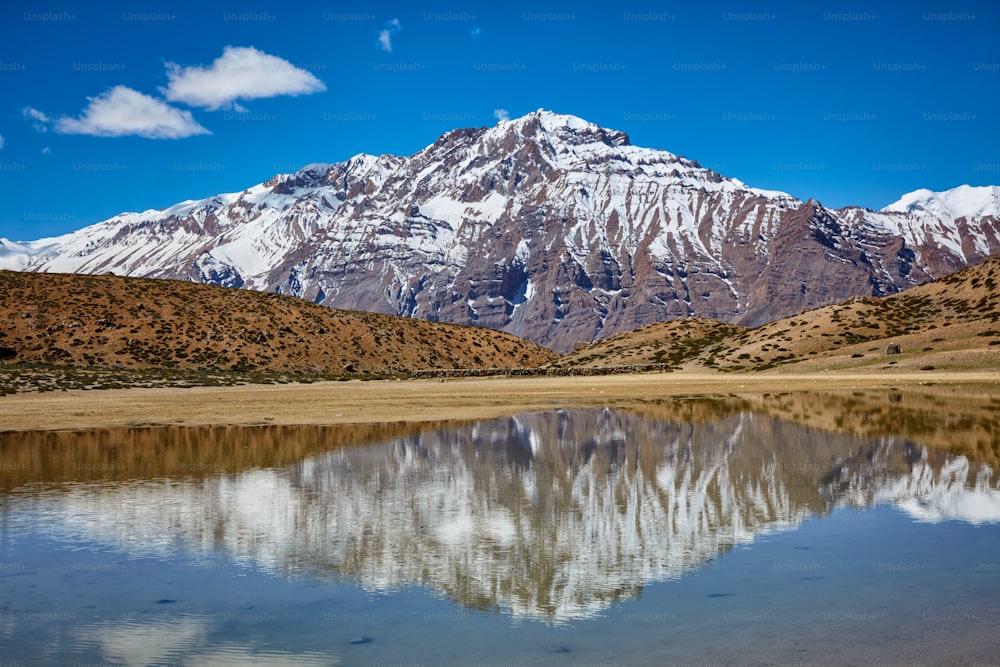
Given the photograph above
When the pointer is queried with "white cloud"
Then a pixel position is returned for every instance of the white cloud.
(501, 114)
(34, 114)
(385, 39)
(385, 36)
(1, 141)
(39, 117)
(46, 151)
(122, 111)
(241, 72)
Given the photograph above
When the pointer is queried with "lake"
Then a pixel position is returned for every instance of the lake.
(686, 532)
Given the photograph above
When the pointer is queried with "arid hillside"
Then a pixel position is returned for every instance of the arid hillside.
(80, 331)
(952, 323)
(111, 321)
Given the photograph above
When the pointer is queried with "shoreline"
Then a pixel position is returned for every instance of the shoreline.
(360, 402)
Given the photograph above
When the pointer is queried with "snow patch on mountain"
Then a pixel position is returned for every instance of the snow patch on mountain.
(14, 255)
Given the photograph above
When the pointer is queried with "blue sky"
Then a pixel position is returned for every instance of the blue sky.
(110, 107)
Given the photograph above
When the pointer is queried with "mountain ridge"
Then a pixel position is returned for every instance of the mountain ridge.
(547, 226)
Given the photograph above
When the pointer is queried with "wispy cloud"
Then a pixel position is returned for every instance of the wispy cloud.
(34, 114)
(385, 35)
(1, 142)
(40, 119)
(476, 33)
(122, 111)
(240, 73)
(501, 114)
(385, 40)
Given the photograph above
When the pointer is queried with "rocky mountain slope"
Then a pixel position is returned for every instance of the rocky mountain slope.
(949, 323)
(112, 321)
(547, 227)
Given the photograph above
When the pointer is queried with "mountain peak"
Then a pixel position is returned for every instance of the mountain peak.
(965, 201)
(568, 129)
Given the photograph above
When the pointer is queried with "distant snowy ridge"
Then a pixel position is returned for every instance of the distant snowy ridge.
(18, 255)
(965, 201)
(546, 226)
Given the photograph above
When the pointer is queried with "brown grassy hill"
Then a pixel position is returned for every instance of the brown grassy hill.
(113, 321)
(676, 343)
(952, 323)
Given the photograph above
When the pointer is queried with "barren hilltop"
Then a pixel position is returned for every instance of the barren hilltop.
(107, 321)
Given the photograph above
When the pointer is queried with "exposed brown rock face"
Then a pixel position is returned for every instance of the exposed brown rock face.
(547, 227)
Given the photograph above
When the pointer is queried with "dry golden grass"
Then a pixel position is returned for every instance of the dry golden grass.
(959, 412)
(675, 343)
(111, 321)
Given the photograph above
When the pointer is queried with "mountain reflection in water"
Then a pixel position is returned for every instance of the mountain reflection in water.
(552, 515)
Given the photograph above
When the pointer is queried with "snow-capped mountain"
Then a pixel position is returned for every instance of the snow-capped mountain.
(547, 226)
(962, 202)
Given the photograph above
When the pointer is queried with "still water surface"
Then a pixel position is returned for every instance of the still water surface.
(573, 537)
